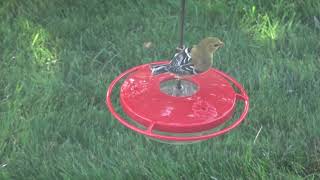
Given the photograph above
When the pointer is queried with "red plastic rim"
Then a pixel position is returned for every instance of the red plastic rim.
(161, 124)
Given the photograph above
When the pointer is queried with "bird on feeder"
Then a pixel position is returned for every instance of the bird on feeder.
(191, 61)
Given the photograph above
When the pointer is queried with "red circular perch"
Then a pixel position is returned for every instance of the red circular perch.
(212, 105)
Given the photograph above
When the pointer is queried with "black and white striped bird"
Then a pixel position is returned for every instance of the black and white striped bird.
(191, 61)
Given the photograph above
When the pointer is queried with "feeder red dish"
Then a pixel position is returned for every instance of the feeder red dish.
(210, 106)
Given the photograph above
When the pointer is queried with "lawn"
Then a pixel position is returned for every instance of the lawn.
(58, 57)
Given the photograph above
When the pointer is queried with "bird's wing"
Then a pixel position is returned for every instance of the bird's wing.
(189, 68)
(181, 58)
(186, 69)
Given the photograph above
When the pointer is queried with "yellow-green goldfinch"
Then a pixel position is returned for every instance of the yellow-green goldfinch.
(191, 61)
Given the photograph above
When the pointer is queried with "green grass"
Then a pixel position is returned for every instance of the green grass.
(57, 59)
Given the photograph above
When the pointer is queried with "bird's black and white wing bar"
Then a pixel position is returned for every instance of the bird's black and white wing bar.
(181, 63)
(181, 58)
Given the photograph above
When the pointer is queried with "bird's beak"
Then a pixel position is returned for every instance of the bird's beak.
(221, 44)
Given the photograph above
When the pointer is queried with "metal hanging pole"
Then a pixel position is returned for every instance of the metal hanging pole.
(181, 45)
(182, 16)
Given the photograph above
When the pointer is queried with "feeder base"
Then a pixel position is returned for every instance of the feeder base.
(203, 102)
(194, 114)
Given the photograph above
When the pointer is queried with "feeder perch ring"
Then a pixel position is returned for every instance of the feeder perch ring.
(154, 125)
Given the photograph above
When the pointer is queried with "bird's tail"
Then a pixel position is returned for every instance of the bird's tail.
(159, 69)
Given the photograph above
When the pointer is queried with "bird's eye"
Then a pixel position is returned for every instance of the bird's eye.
(216, 45)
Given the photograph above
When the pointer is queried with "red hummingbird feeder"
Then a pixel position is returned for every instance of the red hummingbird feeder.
(157, 109)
